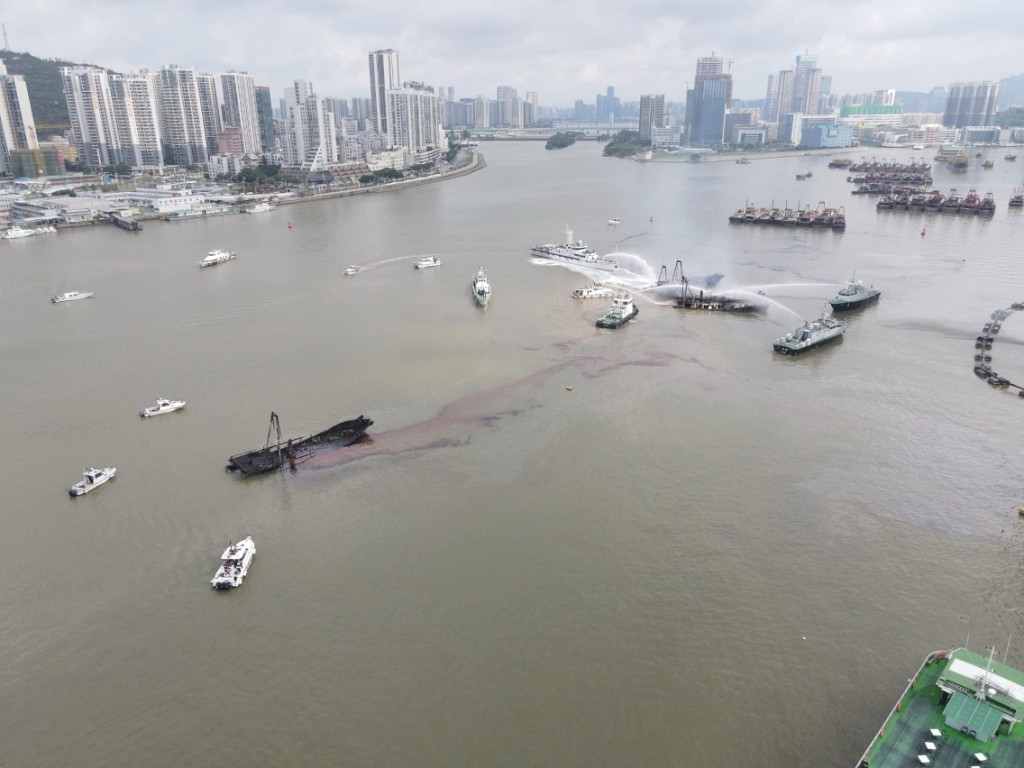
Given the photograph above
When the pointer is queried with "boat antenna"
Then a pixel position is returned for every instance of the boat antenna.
(1007, 654)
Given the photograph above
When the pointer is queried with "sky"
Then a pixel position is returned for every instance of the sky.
(562, 50)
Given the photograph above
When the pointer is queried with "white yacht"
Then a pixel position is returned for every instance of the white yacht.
(352, 270)
(216, 257)
(92, 478)
(258, 208)
(234, 564)
(594, 291)
(70, 296)
(424, 262)
(481, 288)
(162, 406)
(574, 252)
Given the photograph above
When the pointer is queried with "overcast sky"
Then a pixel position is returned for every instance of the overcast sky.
(563, 50)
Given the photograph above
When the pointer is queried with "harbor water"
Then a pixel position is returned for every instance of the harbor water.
(662, 545)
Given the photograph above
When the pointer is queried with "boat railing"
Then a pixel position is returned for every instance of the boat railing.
(899, 702)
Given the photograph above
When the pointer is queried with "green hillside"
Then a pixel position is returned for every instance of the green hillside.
(45, 91)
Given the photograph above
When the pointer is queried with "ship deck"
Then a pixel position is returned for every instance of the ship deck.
(919, 713)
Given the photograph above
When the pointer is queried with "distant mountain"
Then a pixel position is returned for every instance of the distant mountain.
(45, 90)
(1011, 92)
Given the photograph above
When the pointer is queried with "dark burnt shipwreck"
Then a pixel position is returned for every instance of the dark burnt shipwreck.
(295, 450)
(698, 298)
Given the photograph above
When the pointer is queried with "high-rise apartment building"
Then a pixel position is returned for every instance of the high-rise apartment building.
(265, 115)
(806, 85)
(310, 137)
(706, 103)
(17, 126)
(414, 122)
(240, 109)
(91, 111)
(183, 115)
(209, 105)
(970, 104)
(137, 116)
(384, 76)
(509, 111)
(652, 114)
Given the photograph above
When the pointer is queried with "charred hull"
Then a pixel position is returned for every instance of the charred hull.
(293, 451)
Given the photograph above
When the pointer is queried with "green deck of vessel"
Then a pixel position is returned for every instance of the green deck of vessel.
(920, 711)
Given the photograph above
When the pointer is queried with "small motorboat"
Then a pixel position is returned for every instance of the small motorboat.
(425, 262)
(71, 296)
(614, 220)
(92, 478)
(162, 406)
(234, 564)
(352, 270)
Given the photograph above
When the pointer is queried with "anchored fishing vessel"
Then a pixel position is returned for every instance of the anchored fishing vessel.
(71, 296)
(621, 312)
(959, 709)
(811, 335)
(92, 479)
(162, 406)
(234, 564)
(481, 288)
(574, 252)
(294, 451)
(216, 257)
(854, 295)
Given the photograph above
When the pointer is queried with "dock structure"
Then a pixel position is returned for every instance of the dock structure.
(126, 223)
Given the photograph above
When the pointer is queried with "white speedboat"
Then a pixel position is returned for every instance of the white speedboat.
(352, 270)
(16, 232)
(71, 296)
(234, 564)
(615, 220)
(258, 208)
(216, 257)
(481, 288)
(594, 291)
(92, 478)
(425, 262)
(574, 252)
(162, 406)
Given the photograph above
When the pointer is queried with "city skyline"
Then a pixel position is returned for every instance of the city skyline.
(563, 54)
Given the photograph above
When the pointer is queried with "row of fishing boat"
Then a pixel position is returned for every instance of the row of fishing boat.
(936, 202)
(822, 216)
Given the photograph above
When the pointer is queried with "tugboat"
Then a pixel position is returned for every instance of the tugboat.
(481, 288)
(294, 451)
(811, 335)
(234, 564)
(92, 479)
(620, 313)
(854, 295)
